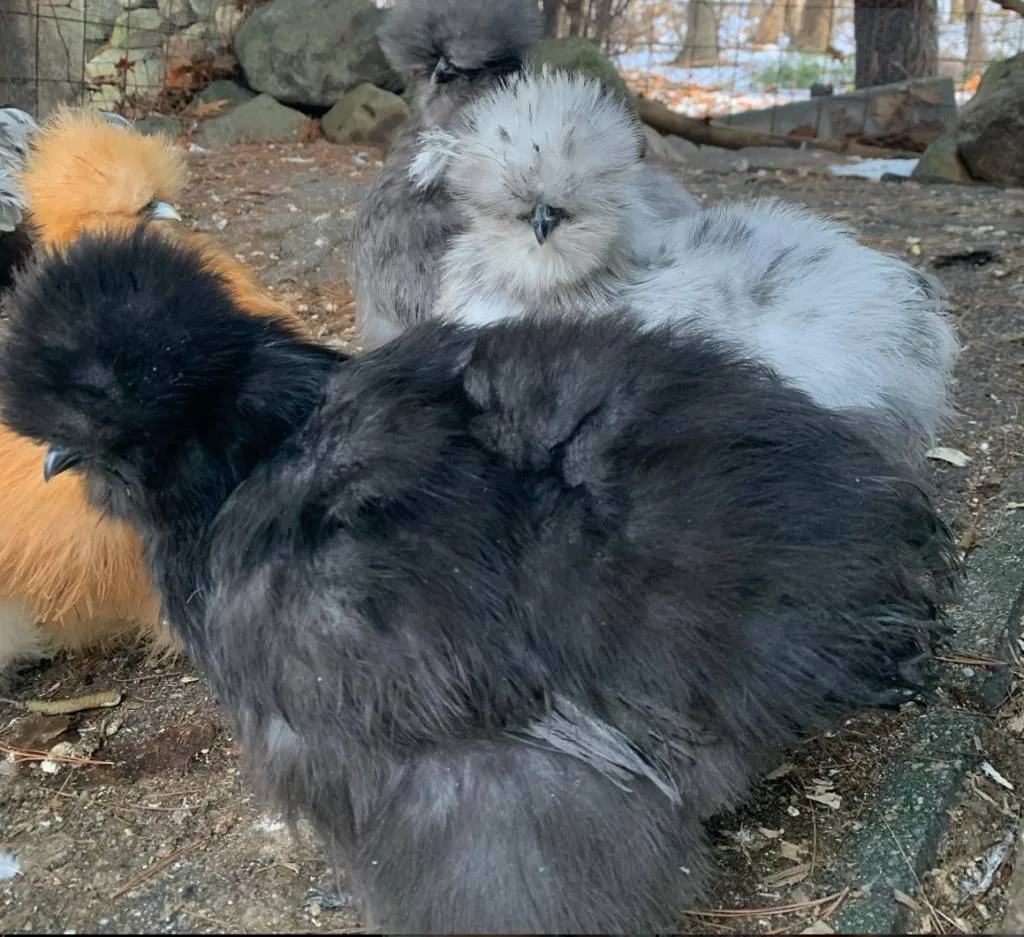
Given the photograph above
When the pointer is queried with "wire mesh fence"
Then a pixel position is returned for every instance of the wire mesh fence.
(700, 57)
(132, 56)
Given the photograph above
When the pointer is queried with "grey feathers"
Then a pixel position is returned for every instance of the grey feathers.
(16, 128)
(448, 50)
(505, 611)
(471, 35)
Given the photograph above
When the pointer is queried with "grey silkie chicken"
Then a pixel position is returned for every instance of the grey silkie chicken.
(507, 612)
(546, 173)
(449, 51)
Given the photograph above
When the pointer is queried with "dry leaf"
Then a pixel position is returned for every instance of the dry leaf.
(769, 834)
(952, 456)
(818, 927)
(904, 899)
(792, 851)
(1015, 725)
(780, 772)
(789, 876)
(828, 799)
(208, 108)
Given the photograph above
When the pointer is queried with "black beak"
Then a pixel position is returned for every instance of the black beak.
(444, 72)
(544, 219)
(59, 460)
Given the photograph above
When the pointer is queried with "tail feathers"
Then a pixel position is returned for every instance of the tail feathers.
(16, 130)
(568, 729)
(12, 201)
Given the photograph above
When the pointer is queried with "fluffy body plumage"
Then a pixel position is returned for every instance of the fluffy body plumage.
(80, 575)
(447, 51)
(506, 611)
(853, 327)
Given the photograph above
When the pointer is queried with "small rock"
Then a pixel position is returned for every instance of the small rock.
(138, 29)
(941, 161)
(261, 120)
(366, 114)
(169, 126)
(223, 90)
(228, 18)
(177, 12)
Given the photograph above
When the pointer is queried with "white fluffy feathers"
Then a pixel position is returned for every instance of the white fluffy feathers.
(853, 327)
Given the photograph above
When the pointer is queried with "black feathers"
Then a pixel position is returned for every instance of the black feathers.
(506, 612)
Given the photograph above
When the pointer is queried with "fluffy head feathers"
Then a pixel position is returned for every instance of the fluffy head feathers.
(469, 35)
(85, 171)
(94, 364)
(545, 168)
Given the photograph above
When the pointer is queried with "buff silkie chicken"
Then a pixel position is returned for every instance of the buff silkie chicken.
(69, 577)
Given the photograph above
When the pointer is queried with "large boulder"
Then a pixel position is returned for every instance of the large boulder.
(143, 78)
(366, 114)
(990, 135)
(310, 52)
(261, 120)
(176, 12)
(100, 22)
(139, 29)
(987, 143)
(575, 54)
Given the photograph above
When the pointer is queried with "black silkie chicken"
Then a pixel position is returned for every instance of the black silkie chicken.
(507, 612)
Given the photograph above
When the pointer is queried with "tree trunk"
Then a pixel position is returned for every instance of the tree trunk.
(896, 40)
(816, 27)
(701, 46)
(956, 11)
(769, 29)
(976, 54)
(551, 9)
(602, 21)
(574, 14)
(793, 16)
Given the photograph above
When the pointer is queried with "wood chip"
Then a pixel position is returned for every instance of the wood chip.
(789, 876)
(904, 899)
(829, 799)
(952, 456)
(792, 851)
(780, 772)
(61, 707)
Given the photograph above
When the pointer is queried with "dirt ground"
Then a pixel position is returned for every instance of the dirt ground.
(154, 829)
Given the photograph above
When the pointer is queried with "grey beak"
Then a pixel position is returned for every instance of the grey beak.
(164, 211)
(59, 460)
(544, 221)
(444, 72)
